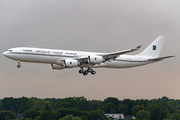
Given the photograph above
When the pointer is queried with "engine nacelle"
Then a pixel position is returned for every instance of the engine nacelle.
(57, 67)
(96, 59)
(71, 63)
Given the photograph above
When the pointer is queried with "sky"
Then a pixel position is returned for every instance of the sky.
(96, 26)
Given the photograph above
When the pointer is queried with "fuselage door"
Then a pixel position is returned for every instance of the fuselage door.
(19, 51)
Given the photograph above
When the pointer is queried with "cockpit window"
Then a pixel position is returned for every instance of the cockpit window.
(10, 50)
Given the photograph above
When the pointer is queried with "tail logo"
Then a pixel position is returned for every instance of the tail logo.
(154, 47)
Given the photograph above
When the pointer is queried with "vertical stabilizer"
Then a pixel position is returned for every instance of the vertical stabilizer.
(154, 48)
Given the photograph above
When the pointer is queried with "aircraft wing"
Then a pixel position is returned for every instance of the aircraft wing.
(160, 58)
(82, 59)
(113, 55)
(108, 56)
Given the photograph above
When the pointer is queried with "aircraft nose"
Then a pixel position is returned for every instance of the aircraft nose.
(5, 53)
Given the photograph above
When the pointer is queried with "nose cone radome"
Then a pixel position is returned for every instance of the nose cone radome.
(5, 54)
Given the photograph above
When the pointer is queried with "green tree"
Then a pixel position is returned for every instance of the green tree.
(142, 114)
(31, 113)
(123, 109)
(7, 118)
(80, 103)
(152, 102)
(109, 105)
(162, 115)
(113, 100)
(50, 104)
(176, 116)
(47, 107)
(155, 110)
(65, 111)
(40, 104)
(163, 105)
(166, 99)
(49, 115)
(172, 104)
(83, 117)
(8, 114)
(93, 104)
(14, 104)
(8, 104)
(137, 108)
(30, 103)
(83, 105)
(70, 117)
(37, 118)
(110, 108)
(144, 119)
(130, 104)
(97, 115)
(21, 104)
(172, 110)
(67, 103)
(142, 102)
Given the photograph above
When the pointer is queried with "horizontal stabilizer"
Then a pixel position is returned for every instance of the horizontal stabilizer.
(160, 58)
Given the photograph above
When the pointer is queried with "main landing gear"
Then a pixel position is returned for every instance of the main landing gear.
(18, 66)
(85, 72)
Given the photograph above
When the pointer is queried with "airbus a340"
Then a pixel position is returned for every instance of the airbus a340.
(60, 59)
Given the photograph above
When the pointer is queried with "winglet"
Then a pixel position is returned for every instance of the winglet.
(138, 47)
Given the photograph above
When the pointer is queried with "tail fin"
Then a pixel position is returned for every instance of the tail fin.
(154, 48)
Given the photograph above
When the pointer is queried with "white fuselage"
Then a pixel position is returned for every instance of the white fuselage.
(53, 56)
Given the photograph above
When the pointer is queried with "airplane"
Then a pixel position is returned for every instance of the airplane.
(61, 59)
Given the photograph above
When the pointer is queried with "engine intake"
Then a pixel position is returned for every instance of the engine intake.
(71, 63)
(96, 59)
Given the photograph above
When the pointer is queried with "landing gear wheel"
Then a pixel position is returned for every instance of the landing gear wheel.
(85, 73)
(88, 70)
(18, 66)
(93, 72)
(80, 71)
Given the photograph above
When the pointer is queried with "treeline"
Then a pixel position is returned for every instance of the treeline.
(54, 109)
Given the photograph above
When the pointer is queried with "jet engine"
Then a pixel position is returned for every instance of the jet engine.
(57, 67)
(71, 63)
(96, 59)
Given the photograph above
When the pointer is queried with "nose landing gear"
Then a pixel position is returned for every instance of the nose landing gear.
(18, 66)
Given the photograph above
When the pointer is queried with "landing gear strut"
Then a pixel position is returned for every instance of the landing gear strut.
(81, 70)
(85, 72)
(18, 66)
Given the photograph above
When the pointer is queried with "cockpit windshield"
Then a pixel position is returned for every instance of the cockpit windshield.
(9, 50)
